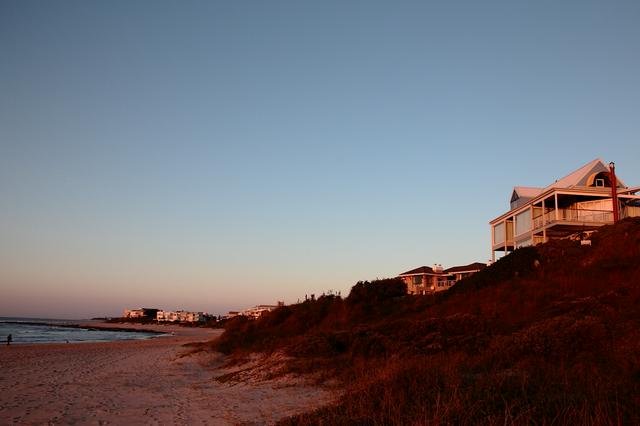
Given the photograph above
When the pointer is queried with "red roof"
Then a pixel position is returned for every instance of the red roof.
(472, 267)
(420, 270)
(476, 266)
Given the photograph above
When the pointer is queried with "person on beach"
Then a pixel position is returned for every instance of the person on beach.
(9, 339)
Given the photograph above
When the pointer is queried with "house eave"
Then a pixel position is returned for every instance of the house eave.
(466, 271)
(433, 274)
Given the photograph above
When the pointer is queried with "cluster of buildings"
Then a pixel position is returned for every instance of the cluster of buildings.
(166, 316)
(161, 315)
(582, 201)
(180, 316)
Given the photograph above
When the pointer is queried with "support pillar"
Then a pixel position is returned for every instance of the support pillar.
(614, 191)
(493, 253)
(544, 221)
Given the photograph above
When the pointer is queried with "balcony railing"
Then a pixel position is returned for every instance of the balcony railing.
(573, 215)
(446, 283)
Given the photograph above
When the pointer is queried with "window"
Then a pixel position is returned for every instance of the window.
(523, 222)
(498, 233)
(417, 280)
(600, 180)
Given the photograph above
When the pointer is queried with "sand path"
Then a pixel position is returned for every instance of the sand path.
(139, 382)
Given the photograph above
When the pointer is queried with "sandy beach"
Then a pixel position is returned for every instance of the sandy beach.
(154, 381)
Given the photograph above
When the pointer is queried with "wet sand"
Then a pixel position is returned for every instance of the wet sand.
(155, 381)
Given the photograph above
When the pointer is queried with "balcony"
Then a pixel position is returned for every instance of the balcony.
(574, 216)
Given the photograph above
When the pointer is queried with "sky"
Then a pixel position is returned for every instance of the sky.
(214, 155)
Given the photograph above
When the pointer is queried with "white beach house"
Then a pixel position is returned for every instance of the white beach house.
(583, 200)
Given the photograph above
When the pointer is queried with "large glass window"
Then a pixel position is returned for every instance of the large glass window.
(523, 222)
(417, 280)
(498, 233)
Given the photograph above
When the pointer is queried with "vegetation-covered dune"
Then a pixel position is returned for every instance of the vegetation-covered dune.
(547, 335)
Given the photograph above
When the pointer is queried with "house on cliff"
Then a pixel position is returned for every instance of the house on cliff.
(583, 200)
(427, 279)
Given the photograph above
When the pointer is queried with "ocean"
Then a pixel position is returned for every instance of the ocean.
(44, 330)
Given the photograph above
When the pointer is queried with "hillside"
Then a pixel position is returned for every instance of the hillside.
(547, 335)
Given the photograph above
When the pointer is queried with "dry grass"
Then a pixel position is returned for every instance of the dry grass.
(547, 335)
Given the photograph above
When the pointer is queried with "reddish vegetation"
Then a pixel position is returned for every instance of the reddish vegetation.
(546, 335)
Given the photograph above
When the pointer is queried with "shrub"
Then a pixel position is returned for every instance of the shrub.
(377, 291)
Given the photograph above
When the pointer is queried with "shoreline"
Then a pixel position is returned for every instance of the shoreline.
(64, 383)
(103, 326)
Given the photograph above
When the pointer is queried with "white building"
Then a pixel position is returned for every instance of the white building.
(584, 200)
(179, 316)
(259, 310)
(133, 313)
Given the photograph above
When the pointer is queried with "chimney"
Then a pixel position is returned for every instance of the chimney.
(614, 191)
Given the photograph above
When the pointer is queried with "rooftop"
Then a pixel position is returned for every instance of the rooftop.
(463, 268)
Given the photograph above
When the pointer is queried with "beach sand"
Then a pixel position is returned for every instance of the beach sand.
(154, 381)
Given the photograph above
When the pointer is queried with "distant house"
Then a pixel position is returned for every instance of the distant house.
(258, 311)
(427, 279)
(180, 316)
(255, 312)
(140, 313)
(581, 201)
(133, 313)
(194, 316)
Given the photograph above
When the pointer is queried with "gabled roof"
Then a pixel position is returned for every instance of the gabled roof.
(526, 192)
(580, 177)
(522, 194)
(472, 267)
(583, 179)
(420, 270)
(476, 266)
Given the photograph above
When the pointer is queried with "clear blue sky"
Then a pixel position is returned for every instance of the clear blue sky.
(214, 155)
